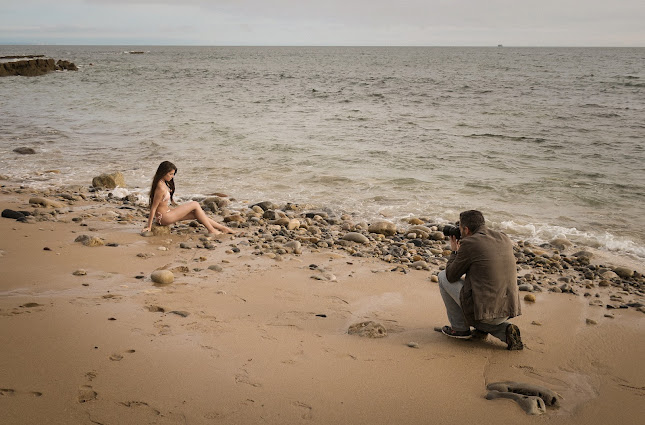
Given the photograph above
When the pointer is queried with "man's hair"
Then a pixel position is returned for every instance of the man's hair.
(472, 219)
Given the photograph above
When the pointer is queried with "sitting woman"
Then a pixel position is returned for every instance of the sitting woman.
(161, 198)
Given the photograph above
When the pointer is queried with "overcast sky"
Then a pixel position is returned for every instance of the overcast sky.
(325, 22)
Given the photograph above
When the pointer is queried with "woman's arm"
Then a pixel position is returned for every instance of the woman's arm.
(156, 200)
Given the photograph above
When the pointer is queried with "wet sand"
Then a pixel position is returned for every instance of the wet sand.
(265, 341)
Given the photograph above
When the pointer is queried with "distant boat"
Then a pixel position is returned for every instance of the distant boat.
(499, 45)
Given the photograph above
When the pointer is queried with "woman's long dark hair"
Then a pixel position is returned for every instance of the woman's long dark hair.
(163, 169)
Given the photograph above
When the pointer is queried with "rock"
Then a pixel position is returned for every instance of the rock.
(549, 397)
(591, 322)
(63, 65)
(420, 265)
(234, 218)
(609, 275)
(437, 236)
(109, 181)
(386, 228)
(356, 237)
(89, 240)
(27, 68)
(80, 272)
(624, 272)
(162, 277)
(160, 230)
(180, 313)
(561, 243)
(47, 203)
(532, 405)
(24, 151)
(293, 224)
(412, 345)
(583, 254)
(295, 246)
(215, 268)
(368, 329)
(526, 287)
(529, 298)
(266, 205)
(7, 213)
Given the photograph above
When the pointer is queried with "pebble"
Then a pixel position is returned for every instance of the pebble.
(529, 298)
(591, 322)
(412, 345)
(356, 237)
(80, 272)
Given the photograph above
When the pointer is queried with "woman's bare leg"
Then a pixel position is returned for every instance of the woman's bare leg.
(191, 211)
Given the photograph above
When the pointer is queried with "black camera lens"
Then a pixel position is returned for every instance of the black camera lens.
(449, 230)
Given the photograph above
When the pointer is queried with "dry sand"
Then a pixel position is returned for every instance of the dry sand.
(263, 342)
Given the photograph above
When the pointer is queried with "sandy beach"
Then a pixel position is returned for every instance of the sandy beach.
(249, 333)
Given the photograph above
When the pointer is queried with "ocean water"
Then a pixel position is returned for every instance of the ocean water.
(545, 141)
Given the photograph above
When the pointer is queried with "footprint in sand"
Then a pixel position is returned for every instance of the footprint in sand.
(118, 357)
(307, 409)
(11, 392)
(86, 393)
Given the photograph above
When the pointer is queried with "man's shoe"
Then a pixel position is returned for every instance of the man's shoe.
(479, 335)
(513, 338)
(447, 330)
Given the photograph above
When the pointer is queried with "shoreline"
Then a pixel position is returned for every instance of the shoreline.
(254, 328)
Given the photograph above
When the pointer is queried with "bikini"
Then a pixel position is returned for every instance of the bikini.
(166, 199)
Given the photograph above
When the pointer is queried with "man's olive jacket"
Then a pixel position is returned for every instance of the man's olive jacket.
(490, 288)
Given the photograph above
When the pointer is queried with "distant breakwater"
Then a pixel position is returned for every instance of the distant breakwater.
(32, 66)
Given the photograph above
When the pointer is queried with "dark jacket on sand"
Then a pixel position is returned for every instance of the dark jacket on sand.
(490, 288)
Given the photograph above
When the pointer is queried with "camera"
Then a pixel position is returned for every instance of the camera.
(449, 230)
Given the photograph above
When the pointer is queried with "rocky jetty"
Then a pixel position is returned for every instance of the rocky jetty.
(32, 66)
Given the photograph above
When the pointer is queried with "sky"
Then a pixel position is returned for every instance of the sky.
(602, 23)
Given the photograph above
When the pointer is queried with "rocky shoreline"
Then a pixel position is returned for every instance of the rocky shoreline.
(276, 231)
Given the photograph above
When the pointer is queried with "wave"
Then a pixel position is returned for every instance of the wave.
(543, 233)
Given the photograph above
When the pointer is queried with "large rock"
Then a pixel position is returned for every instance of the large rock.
(624, 272)
(33, 67)
(109, 181)
(162, 277)
(386, 228)
(160, 230)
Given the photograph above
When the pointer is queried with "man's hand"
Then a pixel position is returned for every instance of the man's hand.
(454, 244)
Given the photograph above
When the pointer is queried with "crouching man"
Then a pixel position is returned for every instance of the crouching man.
(488, 295)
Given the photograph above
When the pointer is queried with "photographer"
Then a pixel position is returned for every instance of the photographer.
(488, 295)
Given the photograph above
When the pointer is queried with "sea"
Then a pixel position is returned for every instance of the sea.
(546, 142)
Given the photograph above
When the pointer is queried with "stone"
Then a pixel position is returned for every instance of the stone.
(162, 277)
(529, 298)
(609, 275)
(25, 151)
(293, 224)
(89, 240)
(266, 205)
(624, 272)
(561, 243)
(80, 272)
(591, 322)
(7, 213)
(109, 181)
(368, 329)
(215, 268)
(583, 254)
(356, 237)
(386, 228)
(526, 287)
(295, 246)
(420, 265)
(549, 397)
(160, 230)
(532, 405)
(47, 203)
